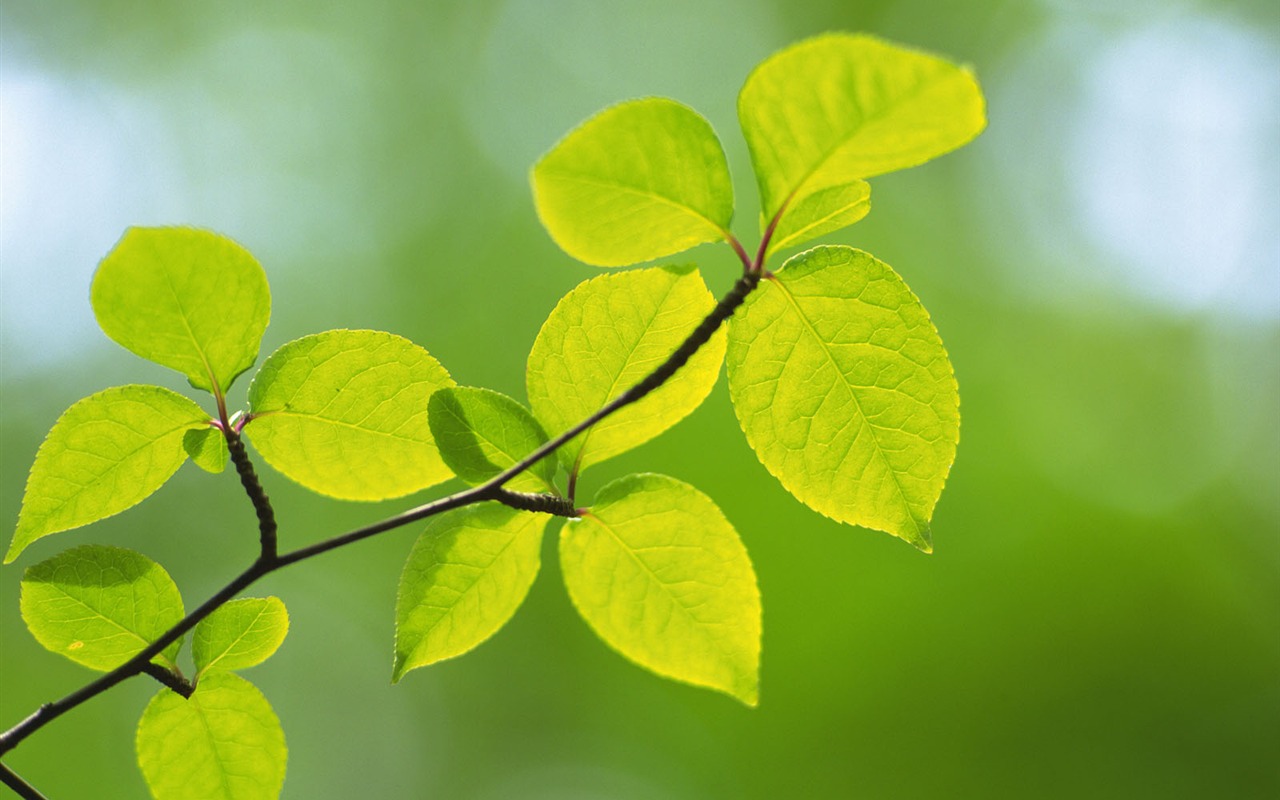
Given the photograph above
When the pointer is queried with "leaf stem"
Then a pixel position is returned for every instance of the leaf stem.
(23, 789)
(268, 561)
(169, 678)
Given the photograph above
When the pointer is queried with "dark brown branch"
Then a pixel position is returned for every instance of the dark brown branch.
(169, 678)
(257, 495)
(23, 789)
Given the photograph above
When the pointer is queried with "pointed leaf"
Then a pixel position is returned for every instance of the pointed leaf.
(100, 606)
(607, 335)
(638, 181)
(222, 743)
(344, 413)
(187, 299)
(820, 212)
(662, 576)
(837, 108)
(468, 573)
(105, 454)
(240, 634)
(481, 433)
(845, 392)
(207, 448)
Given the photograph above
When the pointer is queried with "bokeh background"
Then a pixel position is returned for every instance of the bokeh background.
(1102, 614)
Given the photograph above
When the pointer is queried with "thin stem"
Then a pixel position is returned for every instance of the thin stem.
(169, 678)
(23, 789)
(269, 561)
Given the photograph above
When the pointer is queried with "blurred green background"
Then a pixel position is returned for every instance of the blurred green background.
(1102, 614)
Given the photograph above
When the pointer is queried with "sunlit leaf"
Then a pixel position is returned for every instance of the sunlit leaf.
(207, 447)
(239, 634)
(662, 576)
(481, 433)
(100, 606)
(638, 181)
(188, 299)
(468, 573)
(106, 453)
(344, 413)
(608, 334)
(819, 212)
(845, 392)
(824, 113)
(222, 743)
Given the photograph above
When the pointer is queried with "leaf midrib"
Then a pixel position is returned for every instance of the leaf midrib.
(592, 181)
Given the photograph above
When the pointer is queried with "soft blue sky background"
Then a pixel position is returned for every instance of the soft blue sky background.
(1102, 615)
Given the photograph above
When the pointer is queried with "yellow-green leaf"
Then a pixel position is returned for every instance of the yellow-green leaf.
(105, 454)
(187, 299)
(344, 413)
(100, 606)
(222, 743)
(638, 181)
(481, 433)
(207, 447)
(239, 634)
(660, 574)
(845, 392)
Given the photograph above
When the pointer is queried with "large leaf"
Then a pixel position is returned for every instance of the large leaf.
(662, 576)
(481, 433)
(845, 392)
(605, 336)
(468, 573)
(187, 299)
(829, 111)
(106, 453)
(239, 634)
(344, 413)
(222, 743)
(100, 606)
(638, 181)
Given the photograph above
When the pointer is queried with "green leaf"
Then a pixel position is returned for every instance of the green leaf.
(222, 743)
(207, 448)
(821, 212)
(106, 453)
(468, 573)
(638, 181)
(829, 111)
(344, 413)
(607, 335)
(100, 606)
(187, 299)
(481, 433)
(845, 392)
(661, 575)
(239, 634)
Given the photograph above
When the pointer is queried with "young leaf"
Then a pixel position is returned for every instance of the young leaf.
(222, 743)
(207, 447)
(481, 433)
(820, 212)
(827, 112)
(106, 453)
(608, 334)
(240, 634)
(187, 299)
(661, 575)
(638, 181)
(344, 413)
(468, 573)
(100, 606)
(845, 392)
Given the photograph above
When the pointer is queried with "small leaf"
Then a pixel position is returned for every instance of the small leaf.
(820, 212)
(207, 448)
(607, 335)
(344, 413)
(662, 576)
(106, 453)
(100, 606)
(187, 299)
(240, 634)
(638, 181)
(845, 392)
(468, 573)
(481, 433)
(832, 110)
(222, 743)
